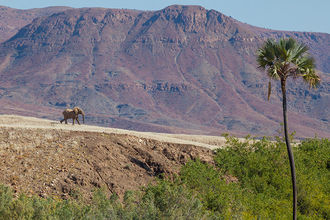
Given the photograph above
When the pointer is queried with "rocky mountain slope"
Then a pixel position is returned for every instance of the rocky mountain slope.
(11, 19)
(45, 158)
(180, 69)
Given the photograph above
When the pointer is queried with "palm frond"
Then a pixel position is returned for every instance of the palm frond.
(290, 43)
(311, 78)
(282, 49)
(266, 55)
(299, 51)
(273, 71)
(304, 63)
(287, 58)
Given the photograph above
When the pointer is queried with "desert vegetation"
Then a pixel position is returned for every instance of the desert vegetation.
(246, 180)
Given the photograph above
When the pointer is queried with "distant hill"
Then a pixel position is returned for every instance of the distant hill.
(182, 69)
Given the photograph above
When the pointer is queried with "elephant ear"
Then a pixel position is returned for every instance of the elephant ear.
(76, 111)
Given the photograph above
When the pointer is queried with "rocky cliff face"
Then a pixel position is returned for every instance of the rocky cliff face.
(180, 69)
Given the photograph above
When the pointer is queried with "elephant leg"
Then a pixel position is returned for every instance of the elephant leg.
(78, 121)
(73, 121)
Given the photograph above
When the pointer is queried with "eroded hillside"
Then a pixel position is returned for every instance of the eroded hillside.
(11, 19)
(48, 159)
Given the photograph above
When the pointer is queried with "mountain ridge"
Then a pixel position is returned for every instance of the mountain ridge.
(11, 19)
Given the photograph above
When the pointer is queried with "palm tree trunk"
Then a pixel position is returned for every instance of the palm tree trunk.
(290, 154)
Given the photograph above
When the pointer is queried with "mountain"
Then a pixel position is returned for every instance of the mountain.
(11, 20)
(183, 69)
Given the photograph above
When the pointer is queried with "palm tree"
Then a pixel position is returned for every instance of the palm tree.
(283, 59)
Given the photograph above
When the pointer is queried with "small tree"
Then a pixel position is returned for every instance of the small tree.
(283, 59)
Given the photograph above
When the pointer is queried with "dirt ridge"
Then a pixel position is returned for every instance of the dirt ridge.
(46, 158)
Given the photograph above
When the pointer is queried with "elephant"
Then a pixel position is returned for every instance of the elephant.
(74, 114)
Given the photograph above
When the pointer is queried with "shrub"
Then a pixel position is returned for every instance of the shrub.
(220, 198)
(6, 198)
(313, 166)
(171, 200)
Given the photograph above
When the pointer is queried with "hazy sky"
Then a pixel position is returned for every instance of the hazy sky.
(295, 15)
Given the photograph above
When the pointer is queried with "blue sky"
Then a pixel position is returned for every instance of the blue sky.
(295, 15)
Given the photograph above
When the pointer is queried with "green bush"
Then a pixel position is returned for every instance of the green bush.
(263, 186)
(6, 198)
(249, 180)
(313, 178)
(263, 172)
(260, 166)
(220, 198)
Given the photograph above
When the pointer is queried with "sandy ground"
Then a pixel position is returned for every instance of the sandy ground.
(14, 121)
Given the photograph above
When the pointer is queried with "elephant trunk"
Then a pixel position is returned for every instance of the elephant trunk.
(83, 116)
